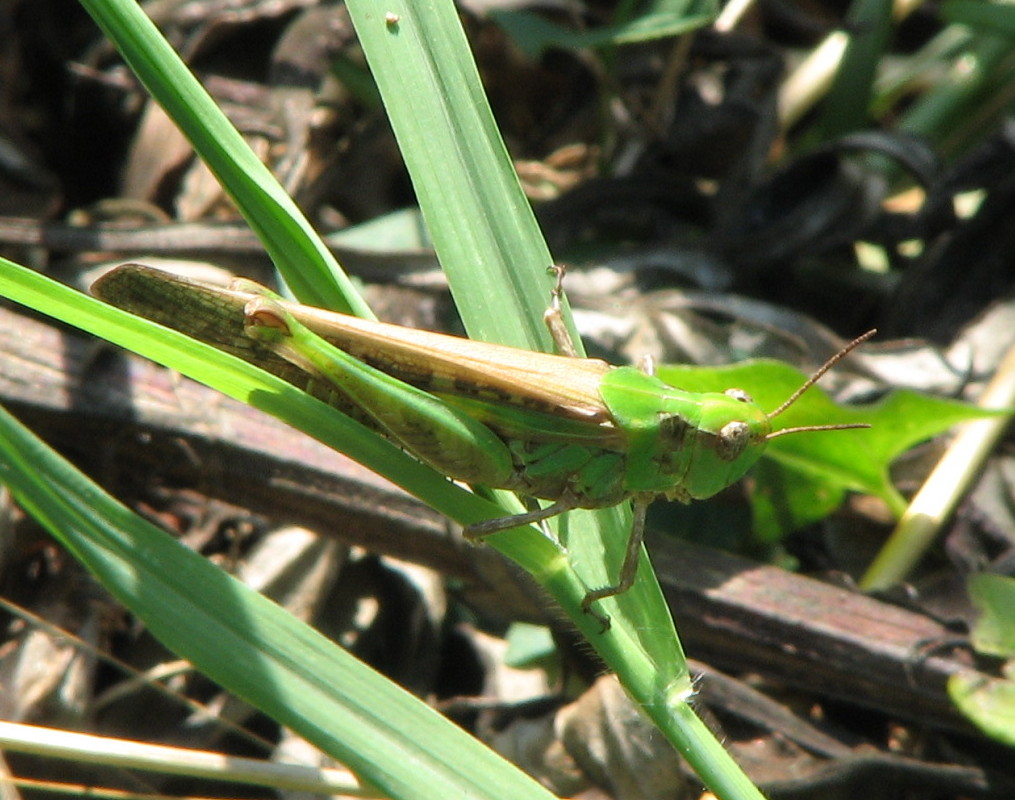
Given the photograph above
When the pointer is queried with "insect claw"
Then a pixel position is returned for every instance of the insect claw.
(600, 617)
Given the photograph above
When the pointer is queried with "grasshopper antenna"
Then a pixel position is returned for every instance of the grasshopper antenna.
(859, 340)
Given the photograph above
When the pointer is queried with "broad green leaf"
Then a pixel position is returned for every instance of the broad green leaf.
(988, 703)
(530, 646)
(994, 630)
(803, 477)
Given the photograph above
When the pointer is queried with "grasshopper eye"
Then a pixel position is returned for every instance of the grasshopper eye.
(733, 438)
(739, 394)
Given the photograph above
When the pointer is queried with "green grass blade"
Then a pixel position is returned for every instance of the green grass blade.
(244, 641)
(481, 223)
(535, 34)
(488, 242)
(495, 258)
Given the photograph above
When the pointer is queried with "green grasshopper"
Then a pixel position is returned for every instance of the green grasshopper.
(576, 431)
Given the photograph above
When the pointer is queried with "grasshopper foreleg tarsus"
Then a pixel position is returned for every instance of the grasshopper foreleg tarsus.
(554, 319)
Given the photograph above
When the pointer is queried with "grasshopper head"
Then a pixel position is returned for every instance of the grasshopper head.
(731, 436)
(733, 432)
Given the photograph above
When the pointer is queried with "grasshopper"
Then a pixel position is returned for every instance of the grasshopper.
(576, 431)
